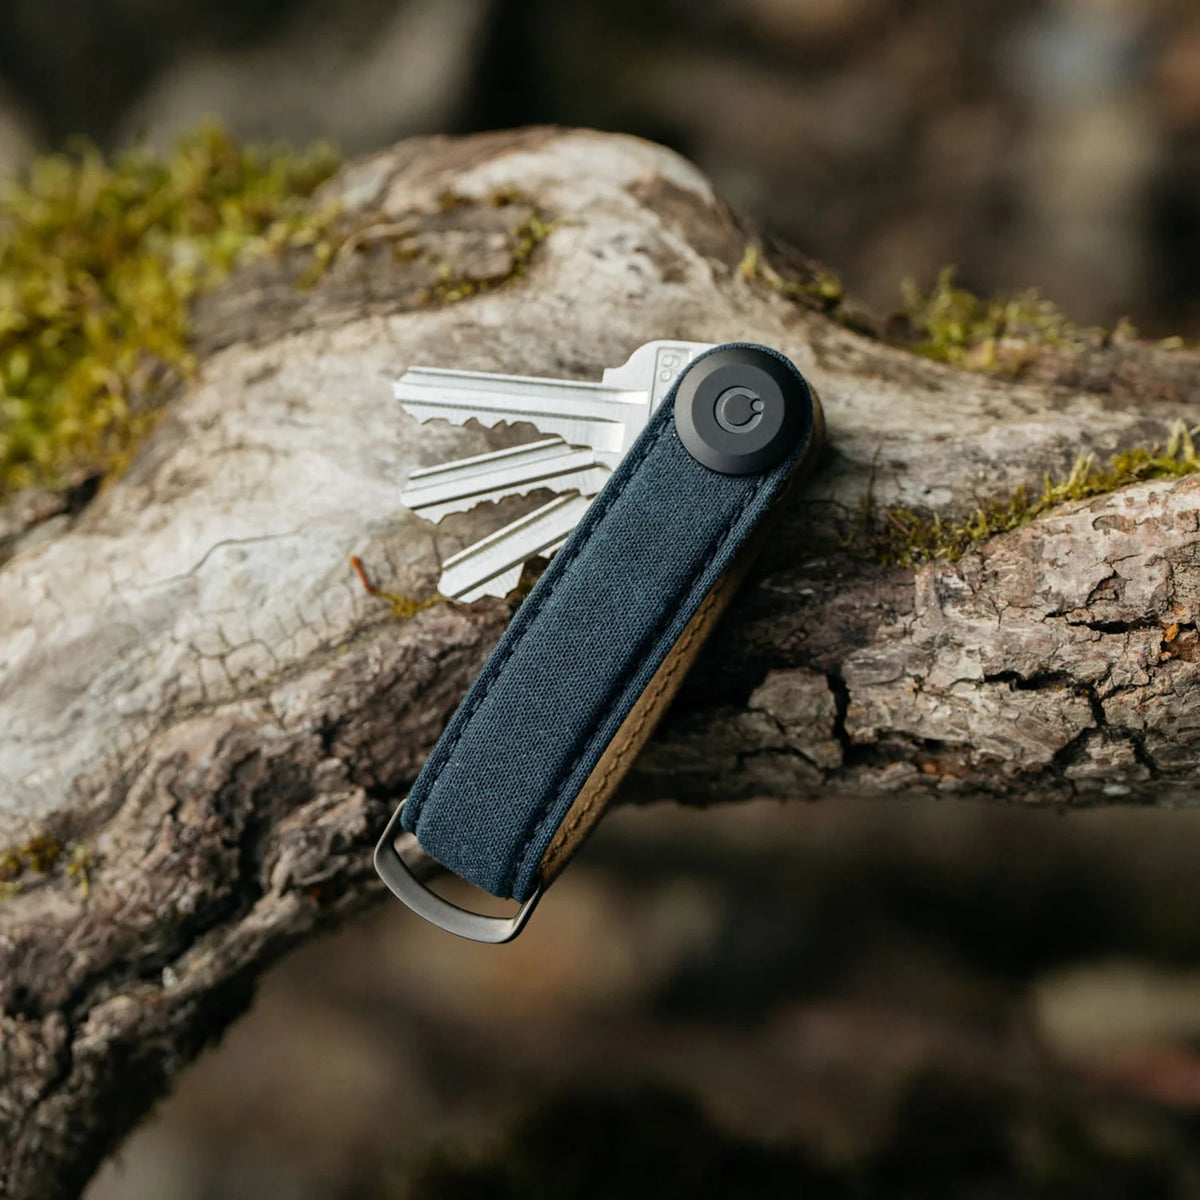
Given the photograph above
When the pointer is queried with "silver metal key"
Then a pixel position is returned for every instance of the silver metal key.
(594, 425)
(605, 416)
(457, 486)
(492, 566)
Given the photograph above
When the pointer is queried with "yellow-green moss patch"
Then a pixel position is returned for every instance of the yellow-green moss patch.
(41, 856)
(79, 865)
(98, 261)
(820, 288)
(901, 537)
(468, 246)
(525, 234)
(954, 325)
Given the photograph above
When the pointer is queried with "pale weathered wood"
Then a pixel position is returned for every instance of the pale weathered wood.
(198, 697)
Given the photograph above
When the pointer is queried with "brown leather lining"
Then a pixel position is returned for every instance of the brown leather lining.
(637, 727)
(616, 760)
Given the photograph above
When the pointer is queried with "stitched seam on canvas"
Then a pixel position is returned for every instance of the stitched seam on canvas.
(498, 667)
(557, 847)
(715, 546)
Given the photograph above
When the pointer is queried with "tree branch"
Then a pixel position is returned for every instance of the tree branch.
(207, 717)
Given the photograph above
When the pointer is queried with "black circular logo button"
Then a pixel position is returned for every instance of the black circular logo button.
(741, 410)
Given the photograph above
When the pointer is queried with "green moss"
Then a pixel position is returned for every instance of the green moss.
(37, 856)
(819, 288)
(525, 236)
(901, 537)
(79, 865)
(98, 262)
(41, 856)
(954, 325)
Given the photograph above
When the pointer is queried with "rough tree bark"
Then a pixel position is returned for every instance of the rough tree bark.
(200, 702)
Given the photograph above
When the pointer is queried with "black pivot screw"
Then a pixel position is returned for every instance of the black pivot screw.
(742, 410)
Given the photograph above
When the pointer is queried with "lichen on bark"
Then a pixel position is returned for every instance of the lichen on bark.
(901, 537)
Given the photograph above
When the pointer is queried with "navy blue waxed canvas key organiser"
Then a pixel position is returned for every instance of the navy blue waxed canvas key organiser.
(594, 654)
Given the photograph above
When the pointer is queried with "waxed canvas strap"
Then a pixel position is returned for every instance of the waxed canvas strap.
(626, 592)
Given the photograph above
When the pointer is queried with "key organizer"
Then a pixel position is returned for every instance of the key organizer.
(595, 653)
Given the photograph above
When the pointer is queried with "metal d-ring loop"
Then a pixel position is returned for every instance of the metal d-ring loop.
(404, 884)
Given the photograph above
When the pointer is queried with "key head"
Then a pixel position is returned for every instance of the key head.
(653, 368)
(742, 409)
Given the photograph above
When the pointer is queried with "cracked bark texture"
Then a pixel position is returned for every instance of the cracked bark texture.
(199, 697)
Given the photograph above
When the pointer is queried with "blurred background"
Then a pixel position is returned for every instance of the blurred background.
(1030, 142)
(843, 999)
(836, 1001)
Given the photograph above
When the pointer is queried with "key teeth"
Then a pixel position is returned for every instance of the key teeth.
(502, 584)
(488, 564)
(605, 437)
(499, 586)
(458, 486)
(613, 412)
(454, 417)
(439, 511)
